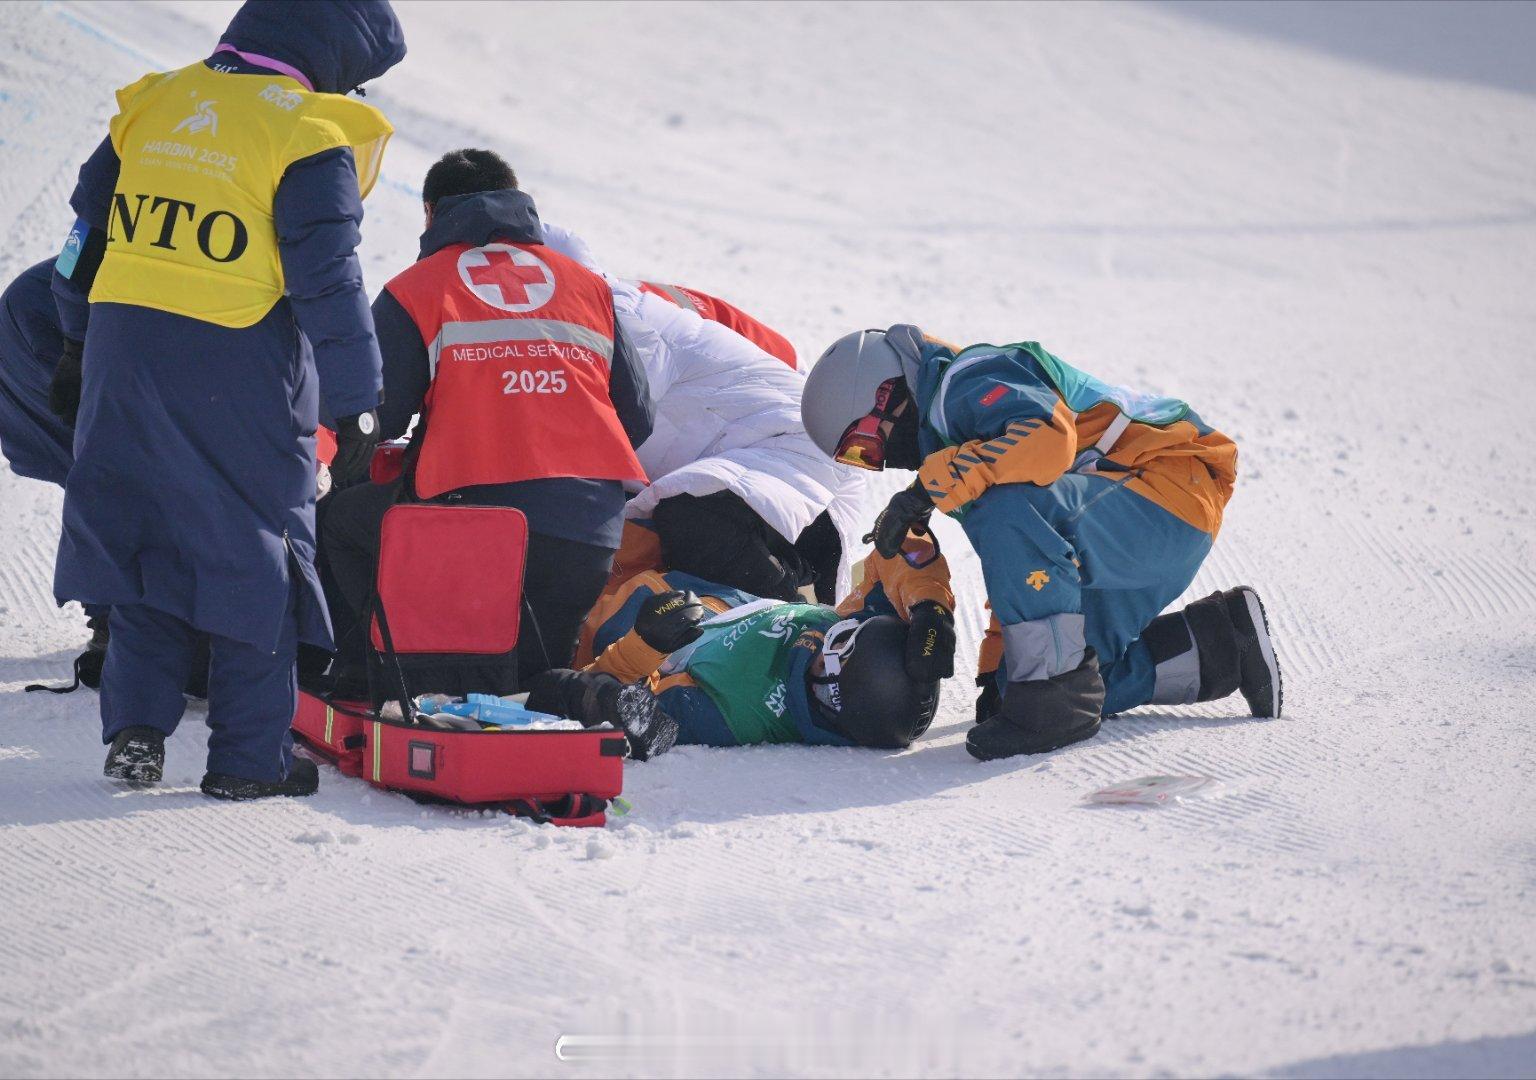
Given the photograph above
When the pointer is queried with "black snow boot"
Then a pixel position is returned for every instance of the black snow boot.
(1215, 647)
(990, 700)
(1259, 680)
(593, 698)
(1043, 714)
(88, 665)
(302, 779)
(137, 755)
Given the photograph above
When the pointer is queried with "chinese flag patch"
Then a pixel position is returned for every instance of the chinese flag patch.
(994, 395)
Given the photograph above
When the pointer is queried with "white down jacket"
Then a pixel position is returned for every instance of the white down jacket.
(727, 419)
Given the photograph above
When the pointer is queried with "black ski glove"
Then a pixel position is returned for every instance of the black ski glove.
(64, 390)
(909, 506)
(670, 620)
(356, 436)
(930, 642)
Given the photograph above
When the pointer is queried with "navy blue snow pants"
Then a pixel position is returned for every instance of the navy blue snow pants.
(252, 694)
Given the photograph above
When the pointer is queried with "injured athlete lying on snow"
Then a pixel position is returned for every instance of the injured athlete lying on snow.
(683, 658)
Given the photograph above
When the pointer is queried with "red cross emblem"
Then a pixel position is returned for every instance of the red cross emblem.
(507, 277)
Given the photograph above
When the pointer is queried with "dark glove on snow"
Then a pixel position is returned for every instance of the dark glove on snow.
(64, 390)
(909, 506)
(356, 437)
(930, 642)
(670, 620)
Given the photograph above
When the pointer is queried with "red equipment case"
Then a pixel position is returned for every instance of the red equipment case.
(564, 777)
(447, 607)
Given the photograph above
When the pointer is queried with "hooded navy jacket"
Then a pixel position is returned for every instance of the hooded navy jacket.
(587, 511)
(194, 479)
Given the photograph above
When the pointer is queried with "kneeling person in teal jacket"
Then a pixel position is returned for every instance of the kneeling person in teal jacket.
(730, 669)
(1091, 506)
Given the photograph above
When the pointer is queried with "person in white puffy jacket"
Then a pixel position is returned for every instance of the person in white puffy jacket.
(738, 493)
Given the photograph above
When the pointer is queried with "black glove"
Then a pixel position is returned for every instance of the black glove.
(670, 620)
(356, 436)
(909, 506)
(930, 642)
(64, 391)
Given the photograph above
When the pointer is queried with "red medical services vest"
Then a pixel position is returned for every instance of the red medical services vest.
(717, 310)
(520, 342)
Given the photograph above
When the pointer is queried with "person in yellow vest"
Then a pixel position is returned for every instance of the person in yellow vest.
(213, 310)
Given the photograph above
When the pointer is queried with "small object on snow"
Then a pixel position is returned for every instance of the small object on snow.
(1154, 791)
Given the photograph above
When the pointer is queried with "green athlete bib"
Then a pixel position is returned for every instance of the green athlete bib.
(743, 660)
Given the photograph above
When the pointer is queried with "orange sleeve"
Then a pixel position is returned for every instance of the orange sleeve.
(639, 551)
(1030, 451)
(614, 597)
(904, 583)
(629, 659)
(990, 656)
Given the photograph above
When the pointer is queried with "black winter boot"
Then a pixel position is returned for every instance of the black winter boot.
(87, 666)
(1260, 680)
(1216, 646)
(137, 755)
(89, 663)
(1044, 714)
(302, 779)
(990, 700)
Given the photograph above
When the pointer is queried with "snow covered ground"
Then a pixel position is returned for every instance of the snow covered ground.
(1318, 225)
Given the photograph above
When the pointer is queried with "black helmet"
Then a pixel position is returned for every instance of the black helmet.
(865, 694)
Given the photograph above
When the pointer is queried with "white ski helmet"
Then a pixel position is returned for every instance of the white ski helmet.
(841, 387)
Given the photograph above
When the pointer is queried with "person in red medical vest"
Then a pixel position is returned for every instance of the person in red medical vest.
(728, 315)
(528, 395)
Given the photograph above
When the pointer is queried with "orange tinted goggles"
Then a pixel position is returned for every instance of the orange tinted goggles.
(863, 441)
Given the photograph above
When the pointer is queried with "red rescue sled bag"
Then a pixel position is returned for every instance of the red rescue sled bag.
(562, 777)
(446, 618)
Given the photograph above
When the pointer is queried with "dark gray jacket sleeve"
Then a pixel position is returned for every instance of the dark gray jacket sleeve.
(318, 213)
(630, 389)
(407, 371)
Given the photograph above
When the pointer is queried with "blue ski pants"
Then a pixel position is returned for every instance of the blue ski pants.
(1083, 562)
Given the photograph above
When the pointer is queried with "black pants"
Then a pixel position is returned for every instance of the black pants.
(720, 538)
(562, 581)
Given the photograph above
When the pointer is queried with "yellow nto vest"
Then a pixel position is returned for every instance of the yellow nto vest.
(202, 152)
